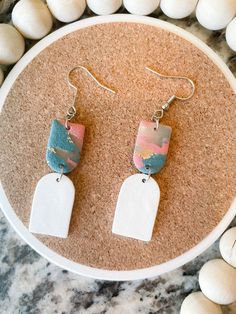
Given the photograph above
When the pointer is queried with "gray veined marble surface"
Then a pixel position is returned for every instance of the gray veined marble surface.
(30, 284)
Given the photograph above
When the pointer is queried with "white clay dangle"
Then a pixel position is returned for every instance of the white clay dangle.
(52, 205)
(137, 207)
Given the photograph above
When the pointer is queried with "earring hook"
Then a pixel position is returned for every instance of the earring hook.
(72, 110)
(91, 75)
(172, 98)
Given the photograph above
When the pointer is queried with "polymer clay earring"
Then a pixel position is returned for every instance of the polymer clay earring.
(54, 195)
(139, 196)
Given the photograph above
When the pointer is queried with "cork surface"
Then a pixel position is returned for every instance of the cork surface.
(198, 182)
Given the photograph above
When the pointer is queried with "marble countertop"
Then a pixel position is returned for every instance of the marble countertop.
(30, 284)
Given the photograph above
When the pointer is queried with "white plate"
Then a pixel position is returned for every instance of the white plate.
(44, 250)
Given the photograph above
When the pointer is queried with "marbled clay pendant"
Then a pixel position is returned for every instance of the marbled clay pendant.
(151, 147)
(64, 146)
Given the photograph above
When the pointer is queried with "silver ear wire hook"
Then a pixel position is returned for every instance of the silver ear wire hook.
(172, 98)
(72, 110)
(91, 75)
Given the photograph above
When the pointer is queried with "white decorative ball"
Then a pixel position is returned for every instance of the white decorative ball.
(215, 15)
(217, 281)
(231, 38)
(197, 303)
(141, 7)
(32, 18)
(178, 9)
(12, 44)
(66, 10)
(1, 77)
(104, 7)
(228, 240)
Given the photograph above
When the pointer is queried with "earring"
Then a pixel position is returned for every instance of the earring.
(139, 196)
(54, 195)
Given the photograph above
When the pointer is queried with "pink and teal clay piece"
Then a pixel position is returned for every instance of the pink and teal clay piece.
(151, 147)
(64, 146)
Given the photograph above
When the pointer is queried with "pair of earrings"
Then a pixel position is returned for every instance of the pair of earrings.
(139, 196)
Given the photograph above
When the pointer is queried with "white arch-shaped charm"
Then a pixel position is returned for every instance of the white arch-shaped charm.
(137, 207)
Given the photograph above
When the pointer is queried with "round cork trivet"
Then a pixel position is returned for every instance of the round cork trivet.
(198, 182)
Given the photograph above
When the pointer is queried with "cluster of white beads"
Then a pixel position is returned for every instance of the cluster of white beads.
(217, 280)
(33, 19)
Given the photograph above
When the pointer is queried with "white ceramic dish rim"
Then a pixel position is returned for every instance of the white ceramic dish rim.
(39, 246)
